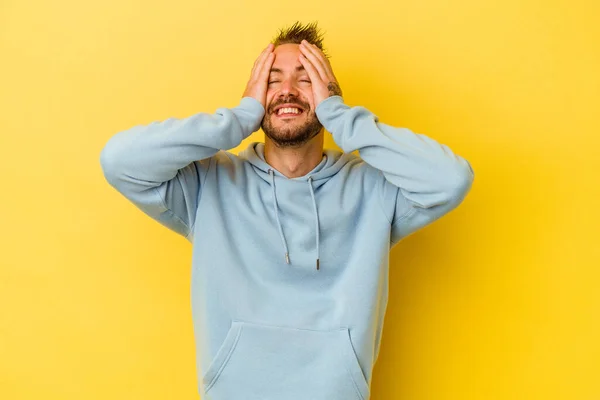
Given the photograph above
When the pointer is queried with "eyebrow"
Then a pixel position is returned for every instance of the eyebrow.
(277, 70)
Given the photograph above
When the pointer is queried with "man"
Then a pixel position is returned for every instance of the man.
(290, 240)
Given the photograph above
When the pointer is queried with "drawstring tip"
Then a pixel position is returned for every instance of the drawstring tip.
(287, 258)
(317, 264)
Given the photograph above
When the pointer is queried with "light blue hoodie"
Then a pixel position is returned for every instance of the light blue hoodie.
(289, 276)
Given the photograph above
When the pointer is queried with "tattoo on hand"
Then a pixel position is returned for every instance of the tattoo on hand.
(334, 89)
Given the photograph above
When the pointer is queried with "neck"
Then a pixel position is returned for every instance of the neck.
(297, 161)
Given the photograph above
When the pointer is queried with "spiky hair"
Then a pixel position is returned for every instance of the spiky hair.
(298, 32)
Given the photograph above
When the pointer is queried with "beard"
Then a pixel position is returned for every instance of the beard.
(295, 134)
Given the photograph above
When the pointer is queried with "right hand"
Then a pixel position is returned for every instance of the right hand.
(259, 78)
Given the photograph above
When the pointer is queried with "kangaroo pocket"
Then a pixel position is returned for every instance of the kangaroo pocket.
(276, 363)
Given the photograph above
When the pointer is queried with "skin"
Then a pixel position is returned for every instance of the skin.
(295, 74)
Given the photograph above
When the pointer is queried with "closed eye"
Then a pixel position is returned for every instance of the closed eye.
(303, 80)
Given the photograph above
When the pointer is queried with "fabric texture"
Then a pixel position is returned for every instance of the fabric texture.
(289, 279)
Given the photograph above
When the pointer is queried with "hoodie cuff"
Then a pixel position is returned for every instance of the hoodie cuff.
(250, 113)
(329, 111)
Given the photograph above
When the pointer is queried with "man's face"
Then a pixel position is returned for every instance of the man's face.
(289, 86)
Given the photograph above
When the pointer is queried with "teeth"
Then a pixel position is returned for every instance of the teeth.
(288, 110)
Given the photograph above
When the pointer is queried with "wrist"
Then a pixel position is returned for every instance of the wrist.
(250, 113)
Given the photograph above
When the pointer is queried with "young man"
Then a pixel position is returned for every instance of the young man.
(290, 241)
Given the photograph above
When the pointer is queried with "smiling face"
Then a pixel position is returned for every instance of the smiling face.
(290, 119)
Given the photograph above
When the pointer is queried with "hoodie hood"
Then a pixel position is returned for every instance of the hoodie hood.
(332, 163)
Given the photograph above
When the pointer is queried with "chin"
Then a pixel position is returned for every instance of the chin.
(291, 137)
(293, 132)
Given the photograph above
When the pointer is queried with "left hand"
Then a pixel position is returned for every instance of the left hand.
(323, 81)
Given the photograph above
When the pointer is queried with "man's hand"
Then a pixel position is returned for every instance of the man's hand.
(323, 81)
(259, 78)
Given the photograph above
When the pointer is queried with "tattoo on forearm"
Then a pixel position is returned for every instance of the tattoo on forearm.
(334, 89)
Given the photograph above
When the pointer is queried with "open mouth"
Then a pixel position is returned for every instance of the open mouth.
(288, 111)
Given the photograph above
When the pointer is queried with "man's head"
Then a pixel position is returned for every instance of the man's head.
(289, 86)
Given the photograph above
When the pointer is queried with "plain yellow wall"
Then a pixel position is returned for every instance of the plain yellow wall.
(498, 300)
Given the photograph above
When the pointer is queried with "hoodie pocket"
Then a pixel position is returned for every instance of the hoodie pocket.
(271, 362)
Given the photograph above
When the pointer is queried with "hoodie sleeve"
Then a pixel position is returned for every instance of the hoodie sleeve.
(425, 179)
(160, 167)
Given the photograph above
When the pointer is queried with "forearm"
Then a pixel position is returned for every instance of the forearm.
(428, 173)
(149, 155)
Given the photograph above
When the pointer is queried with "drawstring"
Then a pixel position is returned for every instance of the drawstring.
(287, 254)
(275, 206)
(312, 194)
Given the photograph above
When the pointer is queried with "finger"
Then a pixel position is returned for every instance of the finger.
(260, 59)
(328, 70)
(316, 61)
(265, 70)
(318, 54)
(323, 59)
(257, 67)
(313, 74)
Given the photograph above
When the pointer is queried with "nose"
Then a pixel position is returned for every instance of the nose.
(288, 87)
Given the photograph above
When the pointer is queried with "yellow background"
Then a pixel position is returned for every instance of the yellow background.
(500, 299)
